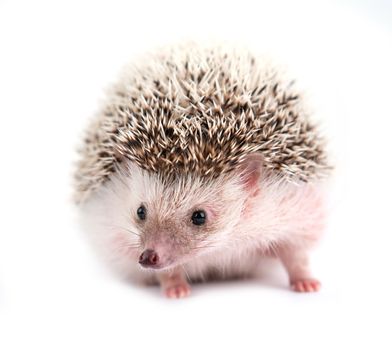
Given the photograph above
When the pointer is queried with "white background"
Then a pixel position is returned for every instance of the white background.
(56, 59)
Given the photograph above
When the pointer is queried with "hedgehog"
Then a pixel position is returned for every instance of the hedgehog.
(202, 160)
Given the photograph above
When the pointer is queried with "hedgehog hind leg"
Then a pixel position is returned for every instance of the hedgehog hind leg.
(296, 262)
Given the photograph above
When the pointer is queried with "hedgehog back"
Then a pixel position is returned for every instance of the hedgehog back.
(201, 110)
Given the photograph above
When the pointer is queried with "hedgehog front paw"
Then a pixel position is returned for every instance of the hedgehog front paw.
(177, 291)
(174, 285)
(307, 285)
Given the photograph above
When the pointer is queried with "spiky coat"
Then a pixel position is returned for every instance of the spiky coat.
(200, 110)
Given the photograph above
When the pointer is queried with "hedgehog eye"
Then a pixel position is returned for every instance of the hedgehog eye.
(141, 212)
(199, 217)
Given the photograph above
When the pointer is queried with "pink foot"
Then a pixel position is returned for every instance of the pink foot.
(177, 291)
(306, 285)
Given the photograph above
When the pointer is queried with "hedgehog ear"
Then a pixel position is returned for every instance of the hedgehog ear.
(250, 171)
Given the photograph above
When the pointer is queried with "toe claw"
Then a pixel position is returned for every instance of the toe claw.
(306, 285)
(178, 291)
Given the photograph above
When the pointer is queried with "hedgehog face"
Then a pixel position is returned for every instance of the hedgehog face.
(180, 219)
(169, 222)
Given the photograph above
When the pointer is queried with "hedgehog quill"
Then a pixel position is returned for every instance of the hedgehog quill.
(202, 160)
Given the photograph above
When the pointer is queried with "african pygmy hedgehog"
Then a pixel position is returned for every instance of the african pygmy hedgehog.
(202, 160)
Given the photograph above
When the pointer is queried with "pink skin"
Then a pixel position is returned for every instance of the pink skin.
(296, 262)
(174, 284)
(306, 286)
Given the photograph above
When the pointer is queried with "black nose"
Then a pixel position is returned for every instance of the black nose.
(148, 258)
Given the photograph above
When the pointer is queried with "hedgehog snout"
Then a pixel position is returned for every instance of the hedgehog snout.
(149, 258)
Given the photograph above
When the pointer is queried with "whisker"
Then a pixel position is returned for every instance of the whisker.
(132, 245)
(274, 248)
(125, 229)
(205, 246)
(186, 273)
